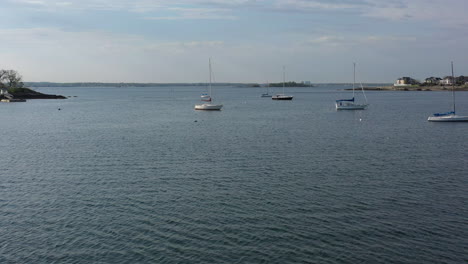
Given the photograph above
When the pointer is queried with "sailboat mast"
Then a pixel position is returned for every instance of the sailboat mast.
(209, 68)
(284, 77)
(354, 76)
(453, 89)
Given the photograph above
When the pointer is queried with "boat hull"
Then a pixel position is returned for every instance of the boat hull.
(282, 97)
(351, 106)
(448, 118)
(12, 100)
(212, 107)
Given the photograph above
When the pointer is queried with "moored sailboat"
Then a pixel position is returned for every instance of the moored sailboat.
(349, 104)
(449, 116)
(282, 96)
(208, 97)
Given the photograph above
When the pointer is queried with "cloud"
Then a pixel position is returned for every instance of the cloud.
(316, 31)
(444, 12)
(90, 42)
(379, 39)
(333, 44)
(51, 54)
(159, 10)
(327, 40)
(32, 2)
(195, 13)
(311, 5)
(99, 56)
(179, 47)
(127, 5)
(440, 12)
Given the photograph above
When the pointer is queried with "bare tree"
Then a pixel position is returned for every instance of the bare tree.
(10, 79)
(3, 74)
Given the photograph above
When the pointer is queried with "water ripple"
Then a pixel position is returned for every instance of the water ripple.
(141, 182)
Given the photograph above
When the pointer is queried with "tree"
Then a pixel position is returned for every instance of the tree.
(10, 79)
(2, 77)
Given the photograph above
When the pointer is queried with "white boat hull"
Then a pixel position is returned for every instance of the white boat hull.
(448, 118)
(12, 100)
(208, 107)
(350, 106)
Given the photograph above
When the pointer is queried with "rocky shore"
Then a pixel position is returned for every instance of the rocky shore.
(26, 94)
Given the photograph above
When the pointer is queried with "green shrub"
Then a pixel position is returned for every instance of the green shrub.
(19, 90)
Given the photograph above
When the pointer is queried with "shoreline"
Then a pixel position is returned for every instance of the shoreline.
(413, 88)
(23, 94)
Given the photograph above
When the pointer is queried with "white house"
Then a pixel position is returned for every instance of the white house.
(447, 81)
(405, 81)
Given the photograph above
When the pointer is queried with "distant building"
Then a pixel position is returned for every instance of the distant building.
(461, 79)
(448, 80)
(432, 80)
(405, 81)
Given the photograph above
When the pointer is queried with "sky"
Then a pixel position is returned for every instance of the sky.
(170, 41)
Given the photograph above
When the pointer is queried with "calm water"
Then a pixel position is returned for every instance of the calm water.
(135, 175)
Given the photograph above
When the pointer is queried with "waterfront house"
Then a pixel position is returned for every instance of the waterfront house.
(405, 81)
(433, 80)
(461, 79)
(448, 80)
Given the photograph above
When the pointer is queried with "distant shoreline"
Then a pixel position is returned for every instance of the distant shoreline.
(102, 84)
(413, 88)
(27, 94)
(99, 84)
(374, 87)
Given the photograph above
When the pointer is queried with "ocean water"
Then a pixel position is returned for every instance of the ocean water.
(135, 175)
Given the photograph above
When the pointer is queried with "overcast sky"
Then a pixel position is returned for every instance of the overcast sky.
(248, 40)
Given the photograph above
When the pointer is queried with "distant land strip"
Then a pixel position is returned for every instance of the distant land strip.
(104, 84)
(414, 88)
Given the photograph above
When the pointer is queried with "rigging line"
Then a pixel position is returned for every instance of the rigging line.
(362, 88)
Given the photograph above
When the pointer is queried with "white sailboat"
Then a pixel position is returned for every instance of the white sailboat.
(282, 96)
(208, 97)
(449, 116)
(349, 104)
